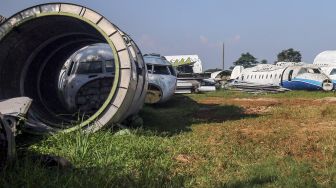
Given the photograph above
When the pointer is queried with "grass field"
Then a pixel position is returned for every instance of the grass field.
(220, 139)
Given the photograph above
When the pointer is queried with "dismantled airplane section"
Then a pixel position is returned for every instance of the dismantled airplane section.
(73, 79)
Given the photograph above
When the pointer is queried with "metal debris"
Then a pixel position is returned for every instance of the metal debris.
(11, 112)
(2, 19)
(255, 88)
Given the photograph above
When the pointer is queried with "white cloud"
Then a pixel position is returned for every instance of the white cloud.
(236, 38)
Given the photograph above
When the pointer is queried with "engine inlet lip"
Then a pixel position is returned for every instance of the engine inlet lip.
(95, 26)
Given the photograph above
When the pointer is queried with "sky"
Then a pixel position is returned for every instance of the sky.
(178, 27)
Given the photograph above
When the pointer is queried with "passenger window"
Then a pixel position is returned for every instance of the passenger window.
(242, 78)
(266, 76)
(275, 76)
(247, 76)
(161, 70)
(271, 76)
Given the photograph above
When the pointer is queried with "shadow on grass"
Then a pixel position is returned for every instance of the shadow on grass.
(31, 173)
(178, 114)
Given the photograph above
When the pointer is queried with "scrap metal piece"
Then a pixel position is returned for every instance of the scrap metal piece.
(2, 19)
(11, 112)
(161, 77)
(16, 107)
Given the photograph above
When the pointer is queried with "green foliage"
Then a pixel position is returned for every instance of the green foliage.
(246, 60)
(289, 55)
(264, 61)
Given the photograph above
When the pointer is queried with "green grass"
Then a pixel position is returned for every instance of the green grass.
(189, 143)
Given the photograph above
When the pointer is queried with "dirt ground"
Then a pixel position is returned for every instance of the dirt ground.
(305, 122)
(264, 105)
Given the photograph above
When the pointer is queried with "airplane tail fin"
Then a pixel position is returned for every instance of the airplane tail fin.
(236, 72)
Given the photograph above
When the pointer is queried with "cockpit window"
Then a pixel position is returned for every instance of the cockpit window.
(309, 70)
(89, 67)
(333, 72)
(172, 70)
(160, 70)
(303, 70)
(150, 68)
(70, 68)
(316, 71)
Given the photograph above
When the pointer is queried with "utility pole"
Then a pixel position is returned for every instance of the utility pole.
(223, 56)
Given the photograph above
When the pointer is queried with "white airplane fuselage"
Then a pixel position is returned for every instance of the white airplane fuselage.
(294, 77)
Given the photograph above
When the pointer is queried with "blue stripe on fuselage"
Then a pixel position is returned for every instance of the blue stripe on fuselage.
(302, 84)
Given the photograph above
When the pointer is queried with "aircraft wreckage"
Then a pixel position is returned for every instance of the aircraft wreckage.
(36, 43)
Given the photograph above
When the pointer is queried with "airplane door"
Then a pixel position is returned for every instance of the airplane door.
(290, 75)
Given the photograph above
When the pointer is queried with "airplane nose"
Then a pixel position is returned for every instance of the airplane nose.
(327, 85)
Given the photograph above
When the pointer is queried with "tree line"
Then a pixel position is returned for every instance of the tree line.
(248, 60)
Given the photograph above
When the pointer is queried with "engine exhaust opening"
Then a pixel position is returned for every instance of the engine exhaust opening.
(31, 59)
(80, 69)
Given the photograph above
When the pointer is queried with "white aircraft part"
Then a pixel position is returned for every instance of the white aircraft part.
(291, 77)
(215, 74)
(286, 64)
(326, 61)
(237, 70)
(162, 85)
(326, 58)
(197, 66)
(206, 88)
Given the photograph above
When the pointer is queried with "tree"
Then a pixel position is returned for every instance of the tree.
(289, 55)
(246, 60)
(264, 61)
